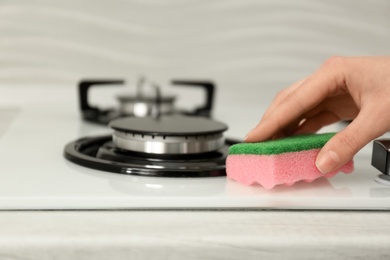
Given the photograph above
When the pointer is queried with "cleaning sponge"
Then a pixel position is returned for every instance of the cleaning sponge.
(284, 161)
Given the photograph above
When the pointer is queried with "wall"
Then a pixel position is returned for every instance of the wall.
(251, 49)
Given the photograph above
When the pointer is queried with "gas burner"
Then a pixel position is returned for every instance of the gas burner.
(168, 134)
(167, 146)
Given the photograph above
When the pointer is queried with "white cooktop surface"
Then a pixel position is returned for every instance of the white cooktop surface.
(36, 123)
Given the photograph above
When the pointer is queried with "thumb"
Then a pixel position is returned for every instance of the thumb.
(344, 145)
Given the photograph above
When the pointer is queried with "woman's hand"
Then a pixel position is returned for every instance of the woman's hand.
(355, 89)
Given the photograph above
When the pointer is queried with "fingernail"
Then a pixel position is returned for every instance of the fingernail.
(328, 162)
(248, 134)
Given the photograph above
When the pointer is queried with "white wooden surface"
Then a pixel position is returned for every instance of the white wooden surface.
(194, 235)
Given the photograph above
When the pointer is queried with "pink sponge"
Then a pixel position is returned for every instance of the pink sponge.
(277, 162)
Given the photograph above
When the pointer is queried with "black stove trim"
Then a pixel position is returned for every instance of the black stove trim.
(83, 152)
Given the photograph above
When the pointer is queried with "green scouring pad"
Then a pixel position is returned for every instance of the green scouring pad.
(285, 145)
(283, 161)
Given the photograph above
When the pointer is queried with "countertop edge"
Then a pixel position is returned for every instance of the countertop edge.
(194, 234)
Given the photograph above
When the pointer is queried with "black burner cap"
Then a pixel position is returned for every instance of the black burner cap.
(176, 125)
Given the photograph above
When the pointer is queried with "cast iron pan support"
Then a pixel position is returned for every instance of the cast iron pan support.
(94, 114)
(209, 87)
(104, 116)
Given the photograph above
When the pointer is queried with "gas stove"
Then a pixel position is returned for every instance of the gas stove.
(53, 158)
(151, 137)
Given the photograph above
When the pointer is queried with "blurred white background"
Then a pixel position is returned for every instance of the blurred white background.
(250, 48)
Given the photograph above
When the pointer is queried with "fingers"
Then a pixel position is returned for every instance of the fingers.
(344, 145)
(293, 105)
(292, 108)
(342, 88)
(281, 96)
(312, 125)
(287, 131)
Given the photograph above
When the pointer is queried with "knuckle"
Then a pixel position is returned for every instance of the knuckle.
(334, 61)
(296, 103)
(280, 95)
(334, 71)
(348, 142)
